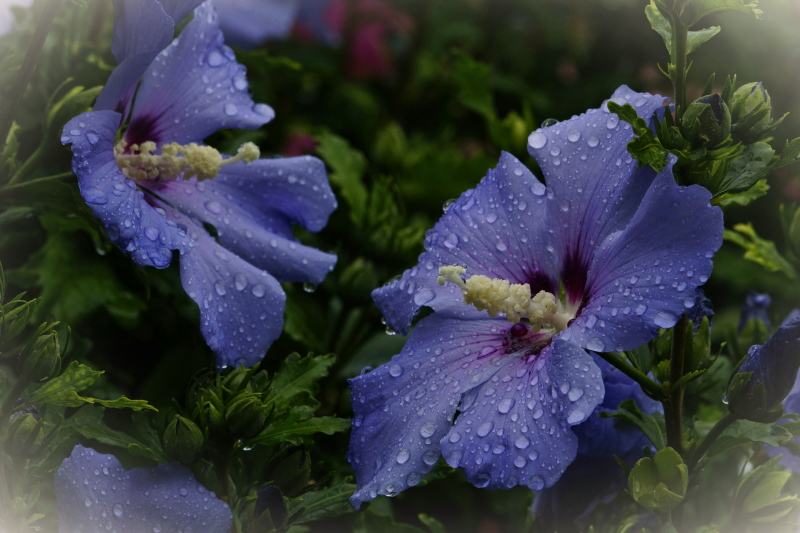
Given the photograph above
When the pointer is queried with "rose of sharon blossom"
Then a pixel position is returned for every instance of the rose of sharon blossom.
(159, 189)
(524, 279)
(95, 494)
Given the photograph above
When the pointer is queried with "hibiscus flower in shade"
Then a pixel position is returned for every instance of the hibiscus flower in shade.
(158, 189)
(524, 279)
(95, 494)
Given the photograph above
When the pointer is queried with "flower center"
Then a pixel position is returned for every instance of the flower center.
(542, 312)
(176, 160)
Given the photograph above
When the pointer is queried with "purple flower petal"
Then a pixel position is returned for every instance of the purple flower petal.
(644, 277)
(248, 23)
(516, 431)
(194, 88)
(141, 30)
(593, 184)
(132, 223)
(496, 229)
(241, 306)
(94, 493)
(251, 206)
(404, 409)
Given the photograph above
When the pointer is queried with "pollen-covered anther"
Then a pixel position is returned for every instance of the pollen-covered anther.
(496, 296)
(177, 161)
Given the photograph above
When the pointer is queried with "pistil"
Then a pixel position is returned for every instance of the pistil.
(176, 160)
(514, 300)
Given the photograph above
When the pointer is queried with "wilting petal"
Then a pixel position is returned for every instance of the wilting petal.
(194, 88)
(496, 229)
(241, 306)
(132, 223)
(252, 207)
(95, 494)
(248, 23)
(516, 430)
(644, 277)
(594, 186)
(405, 407)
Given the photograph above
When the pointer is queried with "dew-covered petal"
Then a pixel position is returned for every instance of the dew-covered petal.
(496, 229)
(241, 306)
(247, 23)
(404, 407)
(516, 430)
(194, 88)
(593, 184)
(131, 222)
(252, 208)
(95, 494)
(644, 277)
(141, 30)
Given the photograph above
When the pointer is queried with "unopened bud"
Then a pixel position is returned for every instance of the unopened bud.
(707, 121)
(245, 417)
(183, 441)
(750, 111)
(43, 359)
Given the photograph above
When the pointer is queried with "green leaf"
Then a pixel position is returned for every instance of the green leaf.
(431, 523)
(653, 426)
(746, 432)
(661, 25)
(292, 430)
(474, 91)
(767, 490)
(759, 189)
(347, 171)
(295, 382)
(88, 422)
(790, 154)
(697, 9)
(645, 148)
(64, 389)
(752, 165)
(321, 504)
(759, 250)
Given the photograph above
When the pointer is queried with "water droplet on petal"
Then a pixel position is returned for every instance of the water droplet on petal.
(402, 456)
(427, 429)
(537, 139)
(573, 135)
(93, 195)
(258, 291)
(665, 319)
(395, 370)
(423, 296)
(612, 122)
(595, 345)
(485, 428)
(536, 482)
(240, 282)
(117, 509)
(230, 109)
(505, 405)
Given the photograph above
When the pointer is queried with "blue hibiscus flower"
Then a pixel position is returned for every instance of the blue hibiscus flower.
(158, 188)
(95, 494)
(535, 275)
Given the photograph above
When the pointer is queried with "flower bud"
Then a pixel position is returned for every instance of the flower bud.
(183, 441)
(24, 432)
(707, 121)
(43, 359)
(659, 483)
(766, 375)
(245, 417)
(290, 471)
(750, 111)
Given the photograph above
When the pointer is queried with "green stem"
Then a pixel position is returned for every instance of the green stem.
(9, 189)
(652, 388)
(22, 78)
(673, 406)
(679, 53)
(709, 439)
